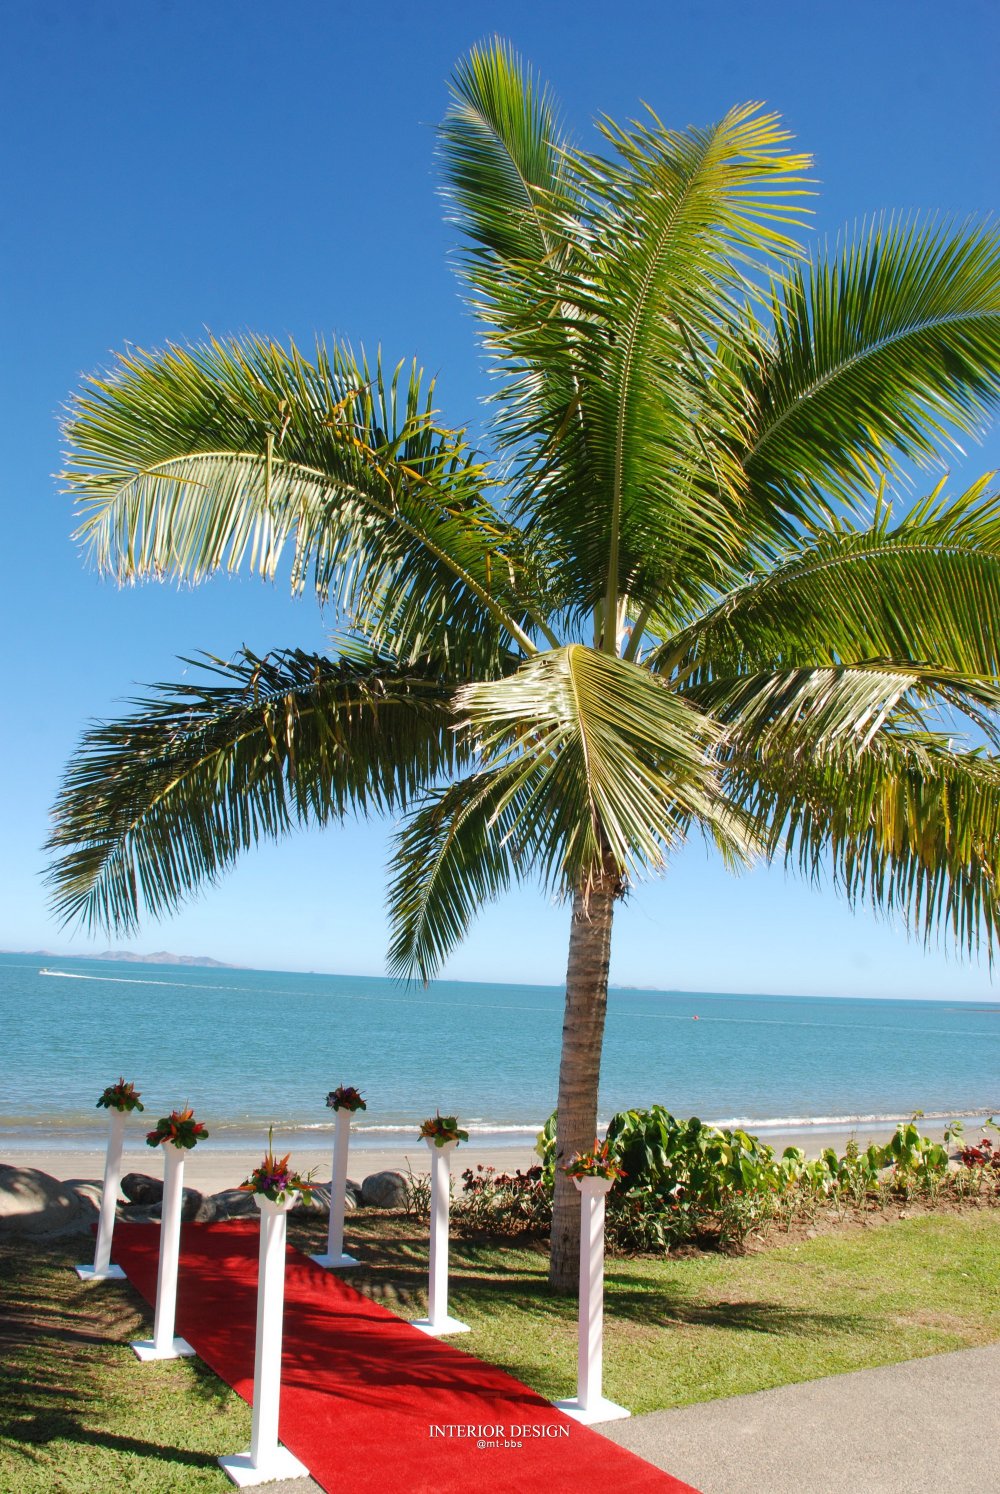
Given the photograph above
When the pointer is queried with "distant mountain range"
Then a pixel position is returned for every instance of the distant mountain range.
(162, 957)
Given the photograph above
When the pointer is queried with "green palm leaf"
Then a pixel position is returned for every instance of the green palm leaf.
(452, 856)
(880, 352)
(504, 161)
(846, 595)
(601, 763)
(194, 460)
(806, 711)
(910, 827)
(159, 802)
(638, 464)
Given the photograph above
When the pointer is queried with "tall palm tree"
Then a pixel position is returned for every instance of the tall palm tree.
(673, 595)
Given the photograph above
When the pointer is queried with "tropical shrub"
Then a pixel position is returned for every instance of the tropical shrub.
(687, 1180)
(916, 1161)
(505, 1201)
(856, 1175)
(983, 1155)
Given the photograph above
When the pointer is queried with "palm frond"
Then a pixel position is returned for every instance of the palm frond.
(881, 352)
(627, 436)
(600, 763)
(164, 800)
(504, 161)
(192, 460)
(451, 856)
(799, 712)
(923, 589)
(909, 827)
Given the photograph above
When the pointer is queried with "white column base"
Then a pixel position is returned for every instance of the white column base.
(335, 1261)
(281, 1464)
(441, 1327)
(145, 1349)
(90, 1273)
(597, 1410)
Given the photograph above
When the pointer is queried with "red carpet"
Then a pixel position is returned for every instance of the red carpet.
(362, 1391)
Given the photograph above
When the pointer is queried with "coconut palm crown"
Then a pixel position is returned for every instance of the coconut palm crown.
(674, 592)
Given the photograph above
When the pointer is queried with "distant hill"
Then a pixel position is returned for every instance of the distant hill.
(164, 957)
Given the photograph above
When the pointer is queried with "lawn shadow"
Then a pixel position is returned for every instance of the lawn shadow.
(56, 1336)
(395, 1275)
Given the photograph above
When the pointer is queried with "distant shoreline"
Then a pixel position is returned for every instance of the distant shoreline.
(982, 1003)
(129, 957)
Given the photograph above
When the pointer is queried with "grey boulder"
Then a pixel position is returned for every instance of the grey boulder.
(385, 1190)
(191, 1205)
(140, 1188)
(233, 1203)
(321, 1199)
(33, 1203)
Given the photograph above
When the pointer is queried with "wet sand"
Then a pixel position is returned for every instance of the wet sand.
(210, 1171)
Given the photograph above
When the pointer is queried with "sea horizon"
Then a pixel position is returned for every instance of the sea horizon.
(182, 963)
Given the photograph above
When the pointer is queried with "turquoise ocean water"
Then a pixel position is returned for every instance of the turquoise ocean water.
(249, 1047)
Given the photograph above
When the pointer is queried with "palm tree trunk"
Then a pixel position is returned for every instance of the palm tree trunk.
(580, 1065)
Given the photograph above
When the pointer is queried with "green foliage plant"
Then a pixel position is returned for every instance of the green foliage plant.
(120, 1096)
(441, 1129)
(917, 1162)
(503, 1201)
(179, 1129)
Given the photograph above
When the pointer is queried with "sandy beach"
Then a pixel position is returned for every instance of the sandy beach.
(211, 1169)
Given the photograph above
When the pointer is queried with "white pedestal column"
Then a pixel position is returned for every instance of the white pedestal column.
(163, 1344)
(338, 1188)
(590, 1405)
(266, 1461)
(437, 1321)
(102, 1269)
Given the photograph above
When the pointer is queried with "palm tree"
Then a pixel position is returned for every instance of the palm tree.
(674, 595)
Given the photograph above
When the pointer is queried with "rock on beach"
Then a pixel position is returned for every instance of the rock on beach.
(385, 1190)
(33, 1203)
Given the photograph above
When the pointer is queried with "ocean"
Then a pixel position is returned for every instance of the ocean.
(251, 1048)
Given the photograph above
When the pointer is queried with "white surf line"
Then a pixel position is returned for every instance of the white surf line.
(137, 980)
(125, 980)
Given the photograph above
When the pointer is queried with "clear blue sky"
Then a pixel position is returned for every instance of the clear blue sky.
(227, 166)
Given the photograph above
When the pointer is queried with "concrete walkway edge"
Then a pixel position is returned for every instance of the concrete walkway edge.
(922, 1427)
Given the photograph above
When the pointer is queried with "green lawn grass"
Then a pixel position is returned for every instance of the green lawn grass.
(77, 1414)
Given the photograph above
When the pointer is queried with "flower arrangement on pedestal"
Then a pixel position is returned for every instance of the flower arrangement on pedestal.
(274, 1179)
(345, 1097)
(597, 1163)
(441, 1129)
(121, 1096)
(179, 1129)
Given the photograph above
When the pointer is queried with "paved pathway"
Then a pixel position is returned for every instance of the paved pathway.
(928, 1426)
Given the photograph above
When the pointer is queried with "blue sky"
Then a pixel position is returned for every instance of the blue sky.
(229, 167)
